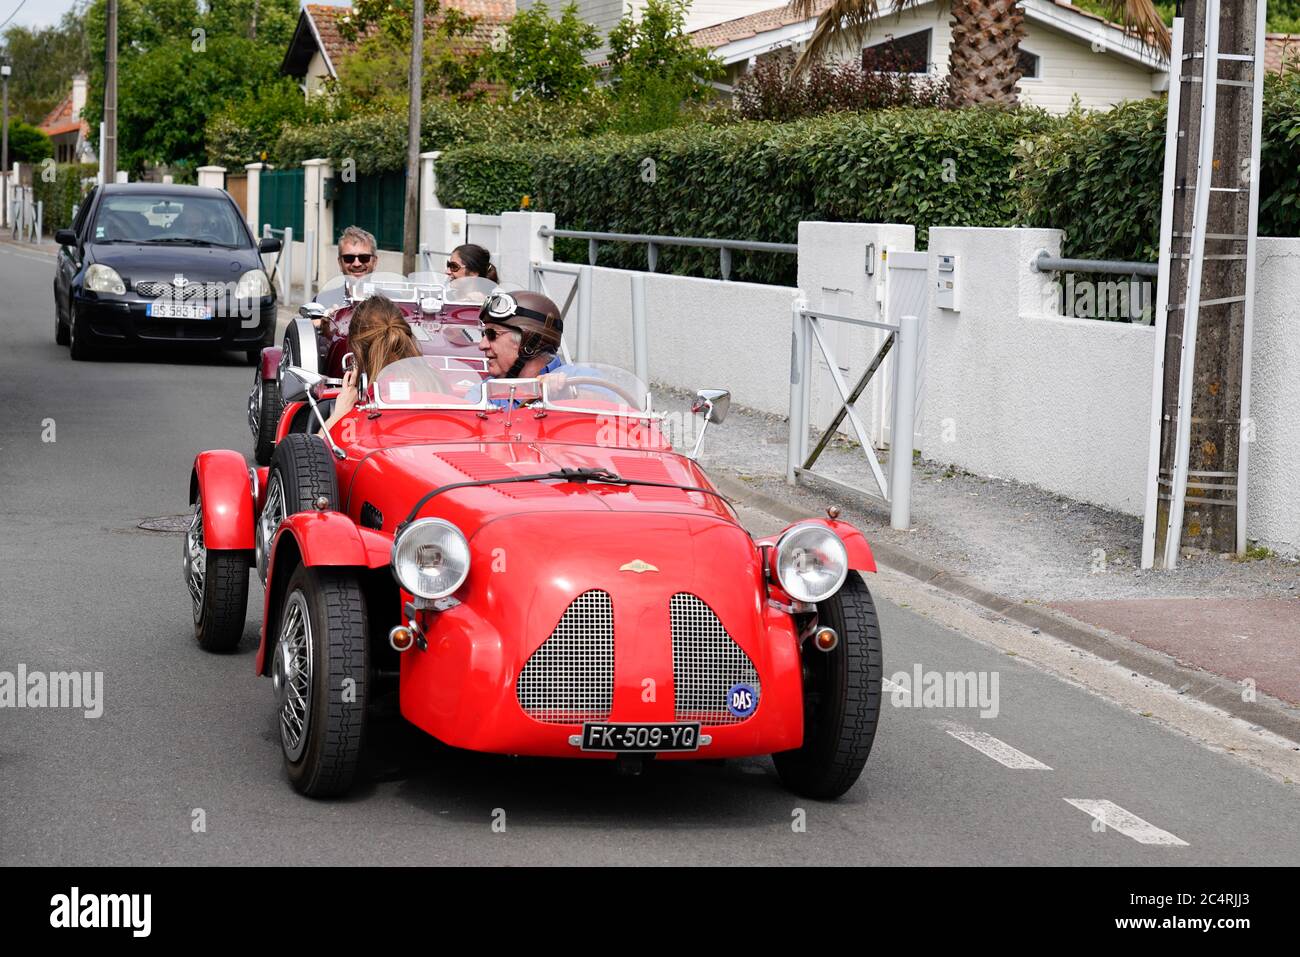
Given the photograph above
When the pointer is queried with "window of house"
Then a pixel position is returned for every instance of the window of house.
(909, 54)
(1029, 64)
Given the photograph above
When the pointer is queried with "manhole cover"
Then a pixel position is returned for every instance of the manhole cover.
(166, 523)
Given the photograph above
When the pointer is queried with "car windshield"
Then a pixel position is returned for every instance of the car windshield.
(393, 286)
(427, 382)
(470, 289)
(441, 382)
(177, 219)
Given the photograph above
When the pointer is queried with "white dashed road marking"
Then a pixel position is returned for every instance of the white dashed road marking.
(1130, 825)
(999, 751)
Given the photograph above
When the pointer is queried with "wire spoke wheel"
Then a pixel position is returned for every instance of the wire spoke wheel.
(273, 513)
(196, 558)
(291, 675)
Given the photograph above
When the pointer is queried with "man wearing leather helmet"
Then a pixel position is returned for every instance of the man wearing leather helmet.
(521, 335)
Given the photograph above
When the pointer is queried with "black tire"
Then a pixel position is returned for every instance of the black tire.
(253, 356)
(220, 602)
(841, 698)
(60, 330)
(336, 719)
(80, 348)
(306, 469)
(268, 419)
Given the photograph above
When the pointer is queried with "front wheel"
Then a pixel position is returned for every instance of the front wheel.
(60, 330)
(79, 346)
(319, 674)
(841, 698)
(264, 408)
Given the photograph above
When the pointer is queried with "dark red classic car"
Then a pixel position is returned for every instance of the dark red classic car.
(534, 570)
(441, 316)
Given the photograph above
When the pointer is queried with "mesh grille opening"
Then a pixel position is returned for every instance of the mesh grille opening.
(706, 663)
(570, 678)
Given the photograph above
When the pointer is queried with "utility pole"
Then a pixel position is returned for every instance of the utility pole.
(411, 216)
(109, 171)
(1198, 482)
(5, 70)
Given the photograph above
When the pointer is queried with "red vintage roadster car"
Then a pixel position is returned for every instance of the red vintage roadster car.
(535, 571)
(441, 317)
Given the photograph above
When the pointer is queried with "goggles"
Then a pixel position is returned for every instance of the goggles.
(502, 305)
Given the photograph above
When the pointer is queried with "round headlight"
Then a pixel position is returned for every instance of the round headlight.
(253, 285)
(431, 558)
(101, 278)
(811, 562)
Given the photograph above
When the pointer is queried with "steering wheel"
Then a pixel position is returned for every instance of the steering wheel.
(614, 387)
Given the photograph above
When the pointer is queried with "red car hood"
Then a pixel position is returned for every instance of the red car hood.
(394, 479)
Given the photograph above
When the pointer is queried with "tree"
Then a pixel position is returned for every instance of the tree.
(539, 55)
(27, 144)
(44, 59)
(656, 50)
(986, 35)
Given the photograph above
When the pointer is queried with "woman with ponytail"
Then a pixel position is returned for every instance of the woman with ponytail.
(378, 335)
(471, 260)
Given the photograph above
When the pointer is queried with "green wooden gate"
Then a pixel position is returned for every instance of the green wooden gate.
(281, 199)
(375, 203)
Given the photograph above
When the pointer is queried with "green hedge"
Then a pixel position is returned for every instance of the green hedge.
(756, 181)
(61, 193)
(377, 141)
(1098, 176)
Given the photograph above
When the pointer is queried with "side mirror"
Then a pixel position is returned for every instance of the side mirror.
(296, 382)
(268, 245)
(349, 360)
(311, 310)
(714, 403)
(65, 237)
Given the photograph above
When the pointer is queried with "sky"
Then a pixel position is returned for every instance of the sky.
(42, 13)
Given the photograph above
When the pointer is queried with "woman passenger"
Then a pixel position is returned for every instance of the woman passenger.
(378, 335)
(471, 260)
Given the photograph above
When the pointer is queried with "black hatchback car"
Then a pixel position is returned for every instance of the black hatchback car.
(160, 263)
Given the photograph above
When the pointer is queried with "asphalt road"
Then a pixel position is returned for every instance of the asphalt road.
(187, 738)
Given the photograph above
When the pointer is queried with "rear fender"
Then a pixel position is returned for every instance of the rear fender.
(290, 412)
(855, 543)
(229, 508)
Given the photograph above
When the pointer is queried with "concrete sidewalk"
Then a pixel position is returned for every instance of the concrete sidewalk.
(1222, 630)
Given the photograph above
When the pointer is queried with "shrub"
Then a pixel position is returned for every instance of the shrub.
(1099, 176)
(28, 144)
(757, 180)
(246, 130)
(773, 91)
(545, 57)
(61, 193)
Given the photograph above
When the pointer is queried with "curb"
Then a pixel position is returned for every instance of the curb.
(1222, 693)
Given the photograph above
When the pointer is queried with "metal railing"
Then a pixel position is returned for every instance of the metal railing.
(579, 291)
(27, 213)
(283, 267)
(652, 243)
(1134, 303)
(1044, 262)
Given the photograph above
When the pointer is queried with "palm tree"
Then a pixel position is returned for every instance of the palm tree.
(986, 34)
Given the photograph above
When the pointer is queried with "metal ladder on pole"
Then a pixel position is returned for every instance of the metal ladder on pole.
(1200, 434)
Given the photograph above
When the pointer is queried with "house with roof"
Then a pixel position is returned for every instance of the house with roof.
(318, 44)
(64, 125)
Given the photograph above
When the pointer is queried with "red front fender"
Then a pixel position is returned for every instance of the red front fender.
(855, 543)
(222, 478)
(271, 362)
(331, 538)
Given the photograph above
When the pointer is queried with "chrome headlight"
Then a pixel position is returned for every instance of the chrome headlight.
(253, 285)
(101, 278)
(811, 562)
(431, 558)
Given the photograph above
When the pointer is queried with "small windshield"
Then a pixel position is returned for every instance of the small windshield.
(178, 219)
(470, 289)
(427, 382)
(599, 388)
(394, 287)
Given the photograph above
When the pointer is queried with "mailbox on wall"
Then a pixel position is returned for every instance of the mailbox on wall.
(947, 287)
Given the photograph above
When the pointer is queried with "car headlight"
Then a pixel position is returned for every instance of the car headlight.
(253, 285)
(811, 562)
(431, 558)
(101, 278)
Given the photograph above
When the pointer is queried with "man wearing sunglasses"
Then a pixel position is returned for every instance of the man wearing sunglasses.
(358, 257)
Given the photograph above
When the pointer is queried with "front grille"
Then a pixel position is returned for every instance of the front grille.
(707, 664)
(570, 678)
(187, 293)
